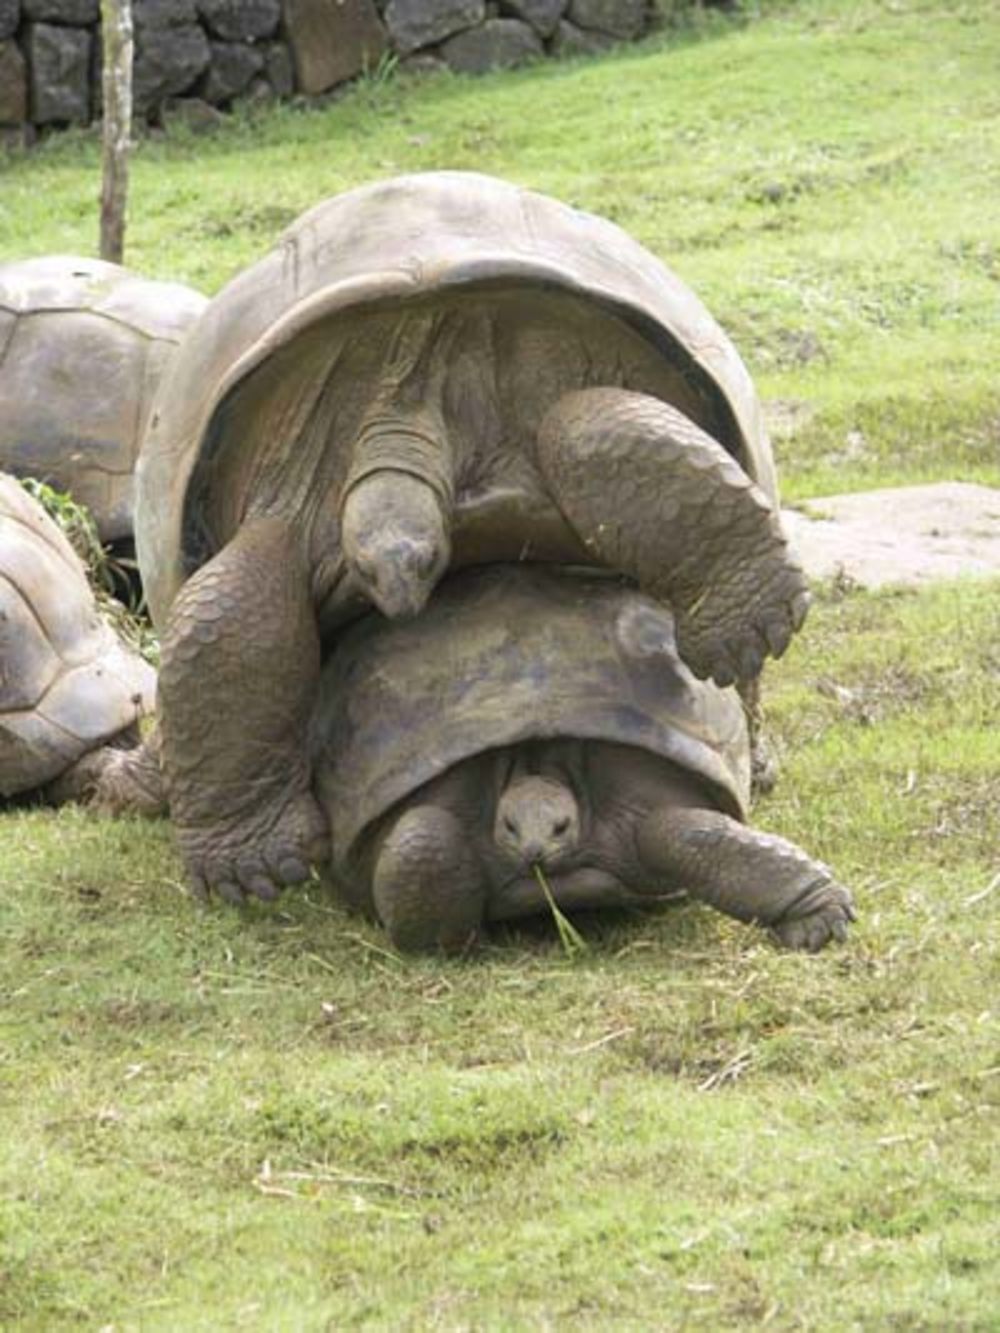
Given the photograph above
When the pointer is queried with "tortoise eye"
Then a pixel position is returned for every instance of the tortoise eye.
(509, 824)
(562, 825)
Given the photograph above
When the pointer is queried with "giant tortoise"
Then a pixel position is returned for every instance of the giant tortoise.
(71, 693)
(430, 372)
(82, 345)
(539, 719)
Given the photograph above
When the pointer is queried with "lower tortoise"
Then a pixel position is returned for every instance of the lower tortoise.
(535, 719)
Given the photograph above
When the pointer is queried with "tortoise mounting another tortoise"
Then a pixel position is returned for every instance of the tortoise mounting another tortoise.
(534, 718)
(430, 372)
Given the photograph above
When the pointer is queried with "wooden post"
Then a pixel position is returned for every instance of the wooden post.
(116, 27)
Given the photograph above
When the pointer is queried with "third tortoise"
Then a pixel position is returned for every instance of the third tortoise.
(540, 719)
(83, 344)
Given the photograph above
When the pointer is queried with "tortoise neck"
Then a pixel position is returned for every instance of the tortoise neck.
(416, 445)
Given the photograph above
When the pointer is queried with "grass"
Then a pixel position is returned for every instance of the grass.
(826, 178)
(264, 1118)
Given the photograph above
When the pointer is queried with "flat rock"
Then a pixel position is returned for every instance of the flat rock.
(908, 535)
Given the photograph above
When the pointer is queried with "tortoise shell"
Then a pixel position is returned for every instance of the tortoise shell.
(259, 407)
(67, 684)
(509, 653)
(82, 345)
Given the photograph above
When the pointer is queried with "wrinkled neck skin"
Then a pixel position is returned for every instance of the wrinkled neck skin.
(396, 510)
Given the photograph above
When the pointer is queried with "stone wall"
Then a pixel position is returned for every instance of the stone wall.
(208, 53)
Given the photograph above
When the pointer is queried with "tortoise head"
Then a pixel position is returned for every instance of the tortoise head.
(537, 821)
(394, 535)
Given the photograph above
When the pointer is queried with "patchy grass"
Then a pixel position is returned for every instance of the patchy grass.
(267, 1119)
(826, 178)
(264, 1118)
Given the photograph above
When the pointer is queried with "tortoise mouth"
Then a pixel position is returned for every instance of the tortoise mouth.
(575, 889)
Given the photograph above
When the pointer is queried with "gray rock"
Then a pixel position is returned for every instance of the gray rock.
(279, 69)
(543, 15)
(190, 113)
(10, 13)
(163, 13)
(569, 40)
(61, 11)
(233, 66)
(416, 23)
(59, 68)
(495, 44)
(422, 66)
(240, 20)
(625, 19)
(333, 40)
(168, 62)
(13, 85)
(13, 137)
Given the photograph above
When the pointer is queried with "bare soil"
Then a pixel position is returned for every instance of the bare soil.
(910, 535)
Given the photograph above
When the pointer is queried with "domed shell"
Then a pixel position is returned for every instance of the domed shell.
(82, 345)
(504, 654)
(402, 240)
(67, 684)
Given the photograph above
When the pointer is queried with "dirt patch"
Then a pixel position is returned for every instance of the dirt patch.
(908, 535)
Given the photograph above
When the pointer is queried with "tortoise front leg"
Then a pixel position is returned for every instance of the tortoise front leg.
(240, 665)
(428, 886)
(650, 494)
(750, 875)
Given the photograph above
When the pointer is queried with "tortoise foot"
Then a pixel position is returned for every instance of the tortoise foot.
(829, 912)
(258, 855)
(727, 633)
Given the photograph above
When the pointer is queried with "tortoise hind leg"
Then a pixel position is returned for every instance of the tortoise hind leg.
(240, 665)
(749, 875)
(650, 494)
(116, 780)
(428, 886)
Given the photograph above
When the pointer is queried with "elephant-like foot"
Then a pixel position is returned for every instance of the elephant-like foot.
(650, 494)
(257, 854)
(727, 633)
(823, 915)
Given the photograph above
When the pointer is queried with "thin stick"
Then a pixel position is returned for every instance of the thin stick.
(116, 25)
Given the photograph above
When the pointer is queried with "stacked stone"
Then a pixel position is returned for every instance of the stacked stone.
(211, 52)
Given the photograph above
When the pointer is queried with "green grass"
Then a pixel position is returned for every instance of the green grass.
(265, 1119)
(826, 178)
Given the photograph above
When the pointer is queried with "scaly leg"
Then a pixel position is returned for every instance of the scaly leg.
(428, 886)
(651, 495)
(239, 671)
(750, 875)
(116, 780)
